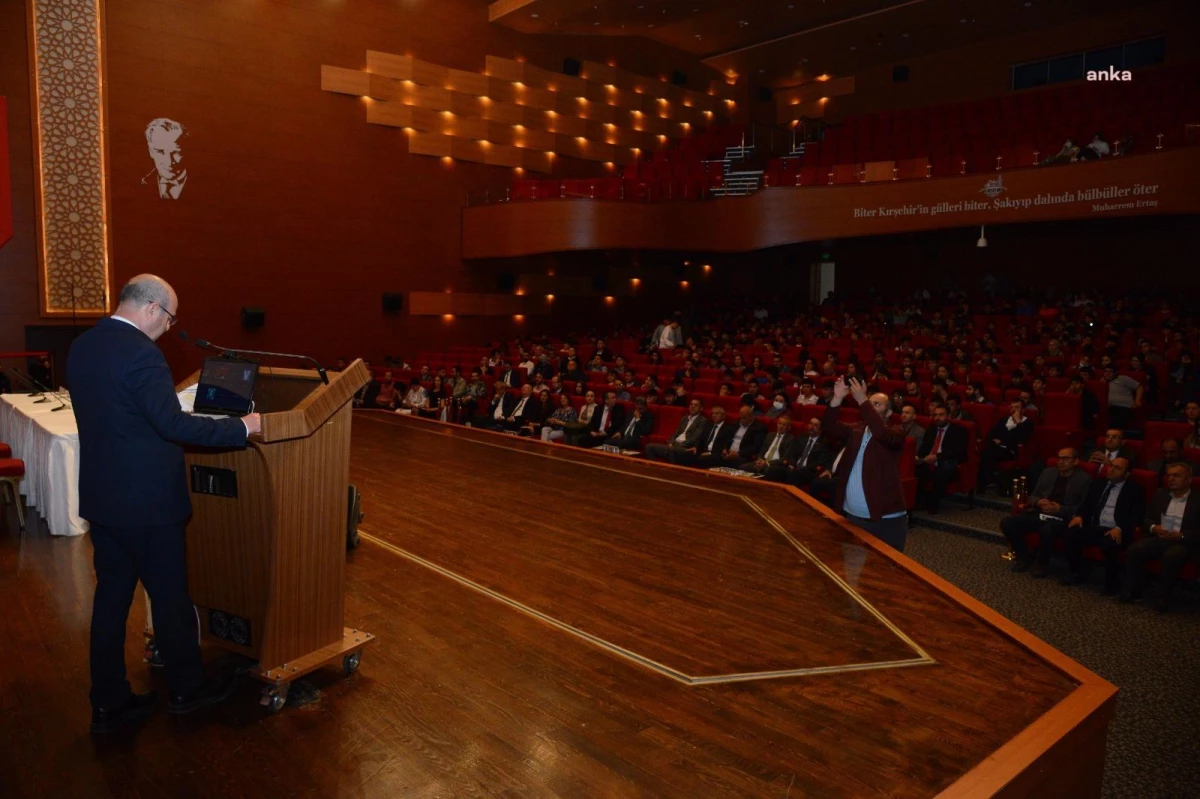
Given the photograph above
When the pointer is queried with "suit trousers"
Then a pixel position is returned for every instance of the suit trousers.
(1015, 528)
(893, 531)
(933, 479)
(664, 452)
(1174, 555)
(1079, 538)
(158, 557)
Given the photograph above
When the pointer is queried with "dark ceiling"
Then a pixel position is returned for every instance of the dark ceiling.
(782, 42)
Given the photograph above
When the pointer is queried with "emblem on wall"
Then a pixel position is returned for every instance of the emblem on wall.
(163, 139)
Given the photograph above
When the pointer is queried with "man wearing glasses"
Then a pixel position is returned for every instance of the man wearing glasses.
(133, 491)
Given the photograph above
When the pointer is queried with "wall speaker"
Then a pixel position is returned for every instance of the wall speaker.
(506, 281)
(764, 94)
(900, 73)
(393, 303)
(572, 66)
(678, 78)
(253, 318)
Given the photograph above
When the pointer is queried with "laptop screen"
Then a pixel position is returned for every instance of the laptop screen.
(226, 387)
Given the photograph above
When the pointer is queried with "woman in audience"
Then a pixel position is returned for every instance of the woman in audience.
(533, 429)
(579, 428)
(655, 358)
(810, 368)
(436, 399)
(554, 427)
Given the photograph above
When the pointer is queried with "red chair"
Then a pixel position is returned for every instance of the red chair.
(5, 451)
(12, 472)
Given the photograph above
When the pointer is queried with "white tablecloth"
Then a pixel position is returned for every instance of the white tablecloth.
(48, 442)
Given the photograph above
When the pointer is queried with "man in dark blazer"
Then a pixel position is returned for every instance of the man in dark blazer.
(525, 411)
(1114, 507)
(942, 449)
(511, 375)
(134, 492)
(1055, 500)
(1171, 451)
(638, 426)
(774, 449)
(809, 458)
(1111, 446)
(747, 440)
(1003, 442)
(714, 442)
(609, 418)
(1173, 537)
(499, 410)
(690, 431)
(866, 484)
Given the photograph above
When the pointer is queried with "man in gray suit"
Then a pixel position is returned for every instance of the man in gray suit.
(686, 438)
(774, 448)
(1173, 537)
(1054, 502)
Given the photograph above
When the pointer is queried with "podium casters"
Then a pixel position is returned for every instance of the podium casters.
(350, 662)
(274, 697)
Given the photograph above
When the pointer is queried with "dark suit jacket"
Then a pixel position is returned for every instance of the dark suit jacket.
(510, 403)
(695, 436)
(881, 461)
(785, 446)
(1130, 509)
(752, 440)
(954, 443)
(531, 413)
(641, 429)
(616, 419)
(513, 377)
(1191, 513)
(721, 440)
(131, 471)
(1011, 439)
(820, 456)
(1076, 493)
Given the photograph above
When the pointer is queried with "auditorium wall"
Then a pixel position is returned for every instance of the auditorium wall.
(982, 70)
(293, 203)
(18, 258)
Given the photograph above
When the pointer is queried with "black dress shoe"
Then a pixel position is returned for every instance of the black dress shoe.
(1126, 598)
(137, 706)
(215, 689)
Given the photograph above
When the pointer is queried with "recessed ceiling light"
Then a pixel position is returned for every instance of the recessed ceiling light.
(535, 16)
(790, 6)
(963, 19)
(595, 23)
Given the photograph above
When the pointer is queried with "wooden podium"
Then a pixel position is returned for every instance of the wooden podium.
(266, 544)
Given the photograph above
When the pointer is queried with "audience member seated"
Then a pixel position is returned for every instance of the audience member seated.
(437, 400)
(1173, 537)
(808, 459)
(955, 409)
(1113, 446)
(1068, 154)
(747, 440)
(941, 450)
(554, 428)
(1114, 507)
(1090, 406)
(469, 394)
(603, 353)
(975, 393)
(607, 419)
(1003, 442)
(1170, 452)
(413, 401)
(775, 447)
(1191, 415)
(511, 376)
(365, 396)
(779, 406)
(640, 423)
(388, 396)
(715, 440)
(1124, 395)
(908, 422)
(526, 413)
(499, 409)
(1055, 500)
(690, 431)
(1096, 149)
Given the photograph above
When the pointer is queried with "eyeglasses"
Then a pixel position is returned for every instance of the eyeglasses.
(172, 317)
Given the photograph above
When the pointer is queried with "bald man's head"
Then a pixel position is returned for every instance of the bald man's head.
(150, 303)
(881, 404)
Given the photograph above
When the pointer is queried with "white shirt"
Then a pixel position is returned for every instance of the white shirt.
(604, 419)
(1175, 509)
(520, 407)
(712, 436)
(735, 445)
(1101, 147)
(665, 341)
(499, 414)
(811, 399)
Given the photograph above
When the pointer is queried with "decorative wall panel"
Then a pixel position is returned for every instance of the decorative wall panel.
(516, 114)
(66, 37)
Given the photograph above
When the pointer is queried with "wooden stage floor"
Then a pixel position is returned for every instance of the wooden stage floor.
(554, 622)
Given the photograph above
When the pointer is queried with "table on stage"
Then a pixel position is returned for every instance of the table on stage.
(48, 442)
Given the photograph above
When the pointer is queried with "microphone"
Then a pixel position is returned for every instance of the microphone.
(204, 344)
(29, 382)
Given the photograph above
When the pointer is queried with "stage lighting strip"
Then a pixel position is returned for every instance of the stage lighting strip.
(923, 658)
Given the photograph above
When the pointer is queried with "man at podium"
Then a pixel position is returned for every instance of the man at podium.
(133, 490)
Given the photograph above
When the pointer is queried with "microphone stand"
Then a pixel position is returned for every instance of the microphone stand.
(230, 352)
(37, 389)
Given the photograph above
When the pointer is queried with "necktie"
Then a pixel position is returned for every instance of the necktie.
(1103, 502)
(712, 437)
(770, 456)
(937, 444)
(629, 430)
(807, 451)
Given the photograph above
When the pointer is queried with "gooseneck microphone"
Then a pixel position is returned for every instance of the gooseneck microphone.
(36, 388)
(230, 352)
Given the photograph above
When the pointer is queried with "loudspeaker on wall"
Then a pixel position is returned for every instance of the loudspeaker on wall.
(572, 67)
(253, 318)
(392, 302)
